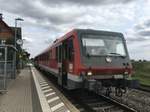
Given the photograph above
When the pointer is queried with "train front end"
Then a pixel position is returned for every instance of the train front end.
(104, 60)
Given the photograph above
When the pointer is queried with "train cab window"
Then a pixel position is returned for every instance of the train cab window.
(98, 45)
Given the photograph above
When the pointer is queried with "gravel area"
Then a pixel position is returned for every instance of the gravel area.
(136, 99)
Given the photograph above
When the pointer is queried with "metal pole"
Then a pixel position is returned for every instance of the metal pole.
(15, 57)
(15, 38)
(5, 69)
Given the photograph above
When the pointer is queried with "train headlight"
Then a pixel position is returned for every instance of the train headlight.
(126, 72)
(89, 73)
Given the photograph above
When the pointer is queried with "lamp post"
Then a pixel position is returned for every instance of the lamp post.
(15, 39)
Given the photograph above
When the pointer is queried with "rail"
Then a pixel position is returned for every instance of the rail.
(94, 103)
(145, 88)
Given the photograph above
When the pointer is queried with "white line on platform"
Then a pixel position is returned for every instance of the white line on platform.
(68, 111)
(45, 87)
(53, 99)
(49, 94)
(47, 90)
(57, 106)
(41, 80)
(43, 103)
(43, 83)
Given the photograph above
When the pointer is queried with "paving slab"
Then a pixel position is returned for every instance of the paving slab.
(19, 96)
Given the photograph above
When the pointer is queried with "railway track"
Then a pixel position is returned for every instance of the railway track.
(87, 101)
(98, 103)
(144, 88)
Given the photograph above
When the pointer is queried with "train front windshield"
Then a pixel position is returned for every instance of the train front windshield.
(97, 45)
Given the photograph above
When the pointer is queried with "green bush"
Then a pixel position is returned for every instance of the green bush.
(141, 71)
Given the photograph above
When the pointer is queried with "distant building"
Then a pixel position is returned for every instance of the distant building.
(5, 31)
(7, 37)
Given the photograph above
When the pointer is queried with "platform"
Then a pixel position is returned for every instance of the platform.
(30, 92)
(18, 97)
(53, 99)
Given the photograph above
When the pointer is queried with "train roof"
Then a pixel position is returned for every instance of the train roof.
(88, 31)
(104, 32)
(81, 31)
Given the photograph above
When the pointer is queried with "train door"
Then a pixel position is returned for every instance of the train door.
(65, 55)
(59, 59)
(62, 79)
(64, 63)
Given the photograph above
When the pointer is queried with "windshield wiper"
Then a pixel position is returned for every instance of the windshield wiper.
(117, 54)
(88, 55)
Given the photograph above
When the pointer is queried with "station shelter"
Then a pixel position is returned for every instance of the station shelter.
(9, 66)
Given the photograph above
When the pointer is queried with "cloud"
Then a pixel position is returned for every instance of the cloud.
(23, 8)
(144, 33)
(56, 14)
(140, 31)
(139, 39)
(143, 25)
(139, 27)
(147, 23)
(46, 20)
(60, 15)
(146, 45)
(42, 13)
(27, 40)
(85, 2)
(49, 41)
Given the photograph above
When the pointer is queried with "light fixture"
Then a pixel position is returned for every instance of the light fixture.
(89, 73)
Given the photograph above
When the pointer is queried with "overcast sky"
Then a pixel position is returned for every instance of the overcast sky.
(46, 20)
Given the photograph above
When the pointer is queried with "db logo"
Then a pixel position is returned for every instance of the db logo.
(108, 59)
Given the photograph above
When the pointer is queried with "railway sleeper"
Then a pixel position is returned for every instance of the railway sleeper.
(104, 107)
(97, 104)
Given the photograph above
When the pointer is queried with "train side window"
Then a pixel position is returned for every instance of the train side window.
(70, 49)
(57, 56)
(60, 53)
(50, 54)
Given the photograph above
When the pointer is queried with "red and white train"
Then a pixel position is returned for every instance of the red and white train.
(85, 55)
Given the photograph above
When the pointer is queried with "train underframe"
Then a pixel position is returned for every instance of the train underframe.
(118, 87)
(107, 86)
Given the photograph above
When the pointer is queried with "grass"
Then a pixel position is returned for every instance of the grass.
(141, 72)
